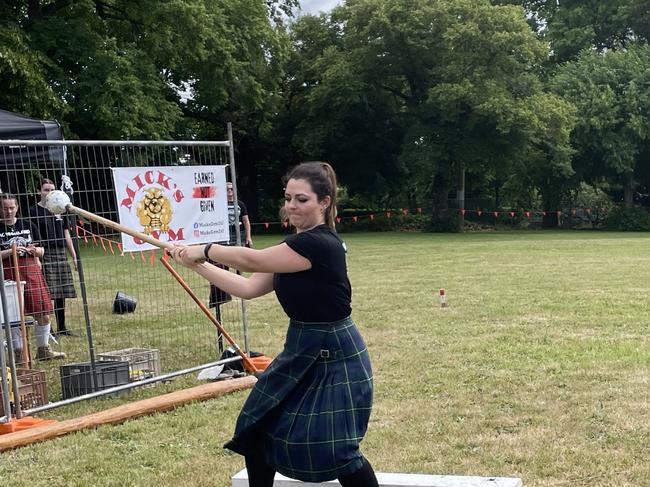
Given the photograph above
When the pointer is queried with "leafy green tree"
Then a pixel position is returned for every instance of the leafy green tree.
(611, 91)
(146, 69)
(573, 25)
(24, 85)
(434, 89)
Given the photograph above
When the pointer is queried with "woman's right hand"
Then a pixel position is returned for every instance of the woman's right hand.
(189, 256)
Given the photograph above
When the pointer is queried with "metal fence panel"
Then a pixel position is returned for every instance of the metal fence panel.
(166, 332)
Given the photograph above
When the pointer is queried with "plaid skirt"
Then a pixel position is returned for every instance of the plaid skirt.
(310, 409)
(36, 296)
(58, 274)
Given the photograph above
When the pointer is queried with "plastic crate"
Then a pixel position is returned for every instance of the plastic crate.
(77, 379)
(143, 362)
(32, 389)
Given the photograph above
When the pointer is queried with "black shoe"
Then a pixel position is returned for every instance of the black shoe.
(65, 332)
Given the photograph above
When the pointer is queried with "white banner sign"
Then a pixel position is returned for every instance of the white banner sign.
(181, 204)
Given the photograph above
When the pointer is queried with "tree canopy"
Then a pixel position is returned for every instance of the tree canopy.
(517, 101)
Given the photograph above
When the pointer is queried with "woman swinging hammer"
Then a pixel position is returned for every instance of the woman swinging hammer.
(310, 409)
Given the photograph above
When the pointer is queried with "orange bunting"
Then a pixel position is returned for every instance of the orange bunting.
(103, 244)
(110, 246)
(77, 230)
(94, 239)
(142, 257)
(420, 210)
(132, 256)
(152, 259)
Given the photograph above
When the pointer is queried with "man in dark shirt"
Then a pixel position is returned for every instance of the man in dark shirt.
(218, 296)
(244, 222)
(55, 238)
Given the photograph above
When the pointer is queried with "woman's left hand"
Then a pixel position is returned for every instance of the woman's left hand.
(33, 251)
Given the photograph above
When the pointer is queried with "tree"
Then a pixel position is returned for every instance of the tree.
(447, 85)
(573, 25)
(23, 83)
(611, 91)
(133, 69)
(111, 69)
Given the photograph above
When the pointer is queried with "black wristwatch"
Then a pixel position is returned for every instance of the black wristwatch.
(206, 251)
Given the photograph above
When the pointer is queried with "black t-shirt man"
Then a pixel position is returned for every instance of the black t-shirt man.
(232, 222)
(51, 227)
(323, 293)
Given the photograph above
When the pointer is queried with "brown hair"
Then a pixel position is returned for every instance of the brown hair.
(8, 196)
(46, 181)
(322, 178)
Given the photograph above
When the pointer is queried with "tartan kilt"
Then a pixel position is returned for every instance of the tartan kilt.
(58, 274)
(310, 409)
(36, 296)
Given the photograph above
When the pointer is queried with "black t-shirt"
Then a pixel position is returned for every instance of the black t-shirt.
(243, 211)
(50, 227)
(322, 293)
(22, 233)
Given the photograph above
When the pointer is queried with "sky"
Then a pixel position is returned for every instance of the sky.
(316, 6)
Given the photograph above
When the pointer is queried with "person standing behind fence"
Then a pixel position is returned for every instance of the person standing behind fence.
(55, 238)
(219, 296)
(310, 409)
(37, 300)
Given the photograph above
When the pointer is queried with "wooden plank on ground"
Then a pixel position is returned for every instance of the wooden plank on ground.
(119, 414)
(240, 479)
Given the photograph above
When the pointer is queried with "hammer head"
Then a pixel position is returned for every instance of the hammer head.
(57, 202)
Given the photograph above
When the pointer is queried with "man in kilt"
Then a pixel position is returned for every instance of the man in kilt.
(55, 238)
(309, 410)
(37, 302)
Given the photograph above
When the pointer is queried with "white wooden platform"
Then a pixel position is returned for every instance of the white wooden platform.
(240, 479)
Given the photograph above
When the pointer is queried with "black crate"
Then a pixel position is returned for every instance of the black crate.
(77, 379)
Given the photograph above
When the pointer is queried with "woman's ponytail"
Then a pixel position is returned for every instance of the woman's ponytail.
(330, 211)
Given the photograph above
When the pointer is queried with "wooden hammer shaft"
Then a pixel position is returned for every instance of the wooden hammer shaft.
(119, 227)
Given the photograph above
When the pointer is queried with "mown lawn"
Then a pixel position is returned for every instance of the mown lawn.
(539, 368)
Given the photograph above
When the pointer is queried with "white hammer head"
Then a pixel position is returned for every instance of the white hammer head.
(57, 202)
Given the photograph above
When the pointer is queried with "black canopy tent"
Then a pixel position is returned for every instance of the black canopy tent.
(17, 161)
(14, 126)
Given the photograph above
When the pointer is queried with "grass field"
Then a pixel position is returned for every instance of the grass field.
(539, 368)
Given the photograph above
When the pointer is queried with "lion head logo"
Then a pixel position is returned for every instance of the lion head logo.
(154, 211)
